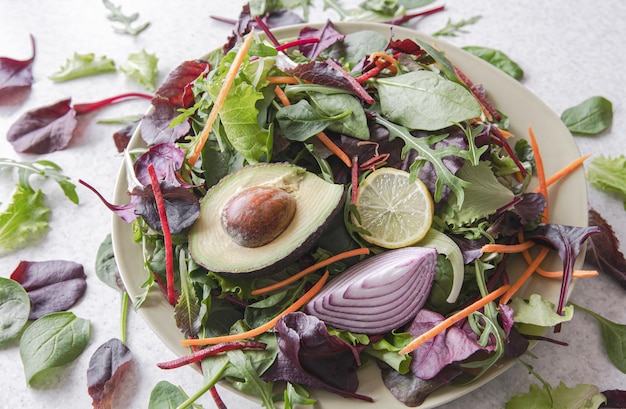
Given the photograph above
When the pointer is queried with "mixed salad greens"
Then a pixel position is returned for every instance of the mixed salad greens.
(381, 103)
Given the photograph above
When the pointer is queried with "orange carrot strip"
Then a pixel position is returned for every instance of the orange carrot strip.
(507, 248)
(505, 133)
(541, 174)
(384, 56)
(282, 80)
(221, 98)
(566, 170)
(334, 148)
(282, 96)
(310, 269)
(265, 327)
(559, 274)
(451, 320)
(525, 276)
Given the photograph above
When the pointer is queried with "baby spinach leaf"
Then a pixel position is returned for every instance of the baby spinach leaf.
(336, 106)
(83, 65)
(299, 122)
(590, 117)
(14, 309)
(614, 337)
(52, 341)
(608, 173)
(426, 101)
(165, 395)
(107, 366)
(106, 267)
(25, 220)
(355, 45)
(16, 74)
(498, 59)
(142, 67)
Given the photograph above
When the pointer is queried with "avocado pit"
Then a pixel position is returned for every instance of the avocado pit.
(255, 216)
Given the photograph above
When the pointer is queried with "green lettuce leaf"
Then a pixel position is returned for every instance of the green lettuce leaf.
(83, 65)
(537, 314)
(609, 173)
(142, 67)
(25, 220)
(581, 396)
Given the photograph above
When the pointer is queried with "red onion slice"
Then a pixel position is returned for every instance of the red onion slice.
(378, 294)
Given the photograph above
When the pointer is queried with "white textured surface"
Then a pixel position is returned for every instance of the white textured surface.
(569, 51)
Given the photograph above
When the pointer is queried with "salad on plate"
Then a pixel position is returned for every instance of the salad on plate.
(340, 200)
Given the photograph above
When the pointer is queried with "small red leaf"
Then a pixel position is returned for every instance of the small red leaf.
(52, 286)
(16, 74)
(107, 366)
(44, 130)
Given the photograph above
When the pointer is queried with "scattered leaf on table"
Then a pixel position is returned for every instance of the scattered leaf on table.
(14, 309)
(107, 367)
(142, 67)
(83, 65)
(590, 117)
(25, 219)
(15, 74)
(603, 250)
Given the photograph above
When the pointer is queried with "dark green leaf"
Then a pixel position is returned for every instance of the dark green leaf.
(498, 59)
(52, 341)
(106, 267)
(336, 105)
(355, 45)
(299, 122)
(14, 309)
(590, 117)
(614, 337)
(165, 395)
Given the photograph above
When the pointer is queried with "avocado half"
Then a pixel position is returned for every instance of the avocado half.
(317, 202)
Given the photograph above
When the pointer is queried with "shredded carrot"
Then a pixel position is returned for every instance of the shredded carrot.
(377, 56)
(559, 274)
(451, 320)
(265, 327)
(281, 96)
(334, 148)
(572, 166)
(506, 133)
(310, 269)
(221, 98)
(284, 79)
(525, 276)
(541, 174)
(507, 248)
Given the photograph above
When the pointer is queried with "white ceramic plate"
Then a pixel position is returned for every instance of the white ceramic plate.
(567, 200)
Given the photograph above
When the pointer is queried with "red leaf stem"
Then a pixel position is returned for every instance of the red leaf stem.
(373, 72)
(403, 19)
(374, 161)
(356, 86)
(167, 236)
(355, 179)
(212, 350)
(92, 106)
(267, 31)
(297, 43)
(219, 403)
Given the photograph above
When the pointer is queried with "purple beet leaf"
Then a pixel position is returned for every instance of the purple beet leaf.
(122, 136)
(167, 159)
(309, 355)
(50, 128)
(52, 286)
(16, 74)
(603, 250)
(107, 367)
(327, 36)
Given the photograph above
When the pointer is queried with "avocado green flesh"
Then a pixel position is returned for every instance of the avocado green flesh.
(317, 201)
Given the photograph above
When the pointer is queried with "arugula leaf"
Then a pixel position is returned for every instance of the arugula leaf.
(369, 10)
(14, 309)
(434, 156)
(590, 117)
(424, 100)
(608, 173)
(127, 21)
(52, 341)
(142, 67)
(614, 336)
(498, 59)
(581, 396)
(187, 309)
(452, 29)
(83, 65)
(25, 220)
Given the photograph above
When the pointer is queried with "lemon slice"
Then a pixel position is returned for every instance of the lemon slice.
(395, 213)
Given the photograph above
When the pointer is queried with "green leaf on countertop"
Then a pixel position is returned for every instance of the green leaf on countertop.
(14, 309)
(25, 219)
(614, 337)
(451, 29)
(142, 67)
(498, 59)
(165, 395)
(126, 21)
(413, 4)
(83, 65)
(590, 117)
(608, 174)
(581, 396)
(52, 341)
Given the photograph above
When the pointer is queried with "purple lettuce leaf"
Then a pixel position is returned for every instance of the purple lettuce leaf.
(181, 206)
(155, 127)
(107, 366)
(52, 286)
(167, 159)
(310, 356)
(452, 345)
(603, 250)
(615, 399)
(327, 36)
(45, 129)
(122, 136)
(16, 74)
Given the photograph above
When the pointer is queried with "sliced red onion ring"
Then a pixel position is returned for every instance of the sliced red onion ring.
(378, 294)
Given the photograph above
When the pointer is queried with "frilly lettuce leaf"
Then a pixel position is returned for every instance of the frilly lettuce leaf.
(581, 396)
(83, 65)
(537, 312)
